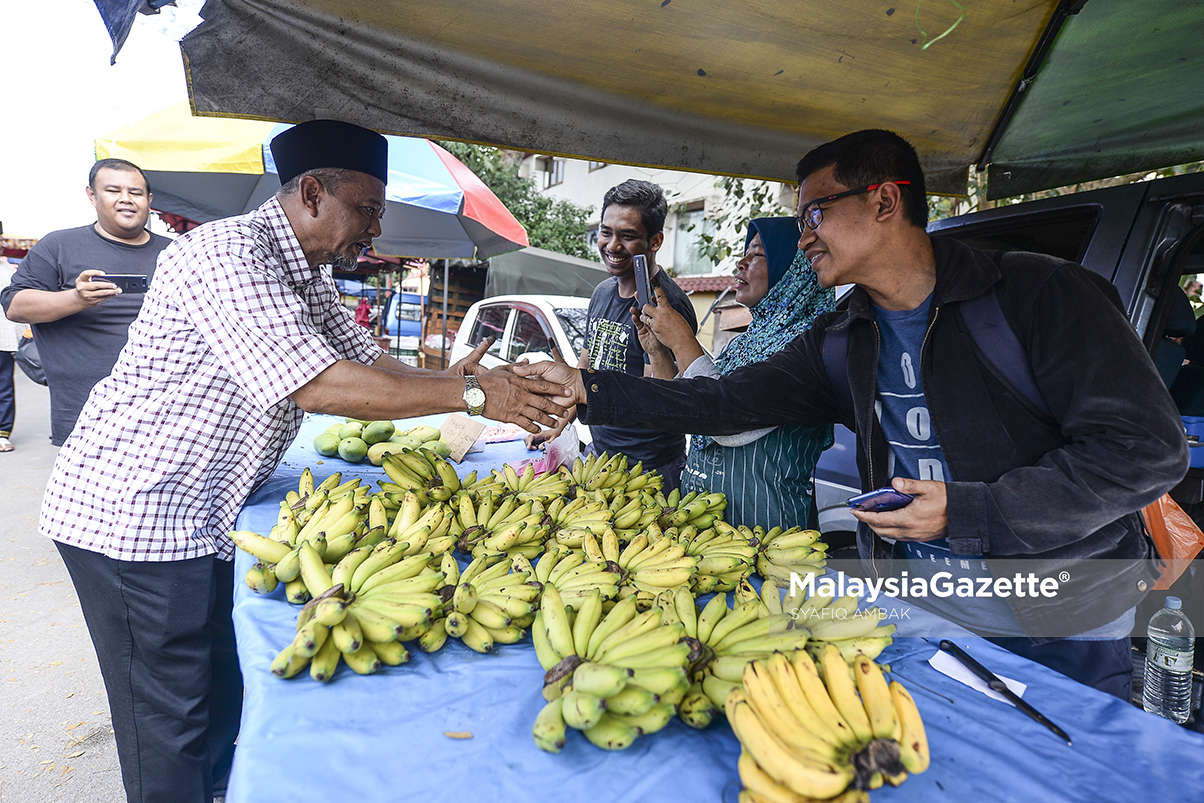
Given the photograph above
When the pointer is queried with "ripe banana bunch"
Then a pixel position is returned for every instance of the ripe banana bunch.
(492, 604)
(610, 475)
(571, 519)
(632, 512)
(615, 677)
(422, 470)
(412, 519)
(652, 562)
(786, 552)
(838, 622)
(755, 628)
(576, 576)
(499, 524)
(527, 484)
(373, 600)
(841, 735)
(725, 556)
(697, 508)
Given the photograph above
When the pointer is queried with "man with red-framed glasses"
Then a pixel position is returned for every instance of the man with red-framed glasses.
(995, 474)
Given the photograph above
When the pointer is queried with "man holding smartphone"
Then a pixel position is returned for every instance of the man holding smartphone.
(993, 479)
(631, 230)
(80, 321)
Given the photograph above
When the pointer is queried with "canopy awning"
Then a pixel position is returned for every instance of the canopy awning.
(1048, 91)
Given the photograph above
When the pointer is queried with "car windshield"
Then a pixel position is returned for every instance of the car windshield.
(573, 321)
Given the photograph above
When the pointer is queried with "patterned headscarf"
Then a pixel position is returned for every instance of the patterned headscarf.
(787, 310)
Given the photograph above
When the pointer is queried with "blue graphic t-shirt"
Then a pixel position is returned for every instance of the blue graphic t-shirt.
(916, 454)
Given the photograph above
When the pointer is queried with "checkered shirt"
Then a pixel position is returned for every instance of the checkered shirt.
(197, 413)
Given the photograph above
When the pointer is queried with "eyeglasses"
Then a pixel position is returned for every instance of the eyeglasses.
(812, 215)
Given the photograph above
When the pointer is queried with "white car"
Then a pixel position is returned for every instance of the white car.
(525, 327)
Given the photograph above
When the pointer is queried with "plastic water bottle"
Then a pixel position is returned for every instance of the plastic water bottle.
(1168, 663)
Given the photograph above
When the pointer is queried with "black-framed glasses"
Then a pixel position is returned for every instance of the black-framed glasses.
(812, 215)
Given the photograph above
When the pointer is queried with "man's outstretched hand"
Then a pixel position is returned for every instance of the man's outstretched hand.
(518, 399)
(569, 378)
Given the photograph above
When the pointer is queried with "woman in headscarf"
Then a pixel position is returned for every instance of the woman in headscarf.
(765, 473)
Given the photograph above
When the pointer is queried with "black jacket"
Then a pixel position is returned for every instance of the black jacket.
(1023, 485)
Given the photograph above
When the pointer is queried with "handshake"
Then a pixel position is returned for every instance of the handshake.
(569, 386)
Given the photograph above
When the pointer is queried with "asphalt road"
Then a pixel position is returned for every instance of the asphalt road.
(56, 739)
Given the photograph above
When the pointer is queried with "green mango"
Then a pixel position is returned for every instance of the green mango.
(353, 450)
(352, 430)
(409, 441)
(439, 447)
(424, 433)
(327, 444)
(378, 431)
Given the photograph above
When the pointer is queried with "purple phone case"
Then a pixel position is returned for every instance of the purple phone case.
(880, 500)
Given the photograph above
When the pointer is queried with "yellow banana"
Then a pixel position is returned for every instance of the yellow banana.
(265, 549)
(324, 663)
(390, 653)
(843, 691)
(772, 711)
(434, 638)
(913, 741)
(817, 696)
(612, 733)
(876, 698)
(549, 727)
(556, 622)
(347, 635)
(792, 768)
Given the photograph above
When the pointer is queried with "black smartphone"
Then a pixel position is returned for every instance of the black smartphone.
(643, 286)
(880, 500)
(128, 282)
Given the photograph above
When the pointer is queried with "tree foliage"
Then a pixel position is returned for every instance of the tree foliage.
(741, 200)
(551, 223)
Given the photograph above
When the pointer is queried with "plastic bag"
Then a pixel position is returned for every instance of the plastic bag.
(1176, 537)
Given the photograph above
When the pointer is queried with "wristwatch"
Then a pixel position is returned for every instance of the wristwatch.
(474, 397)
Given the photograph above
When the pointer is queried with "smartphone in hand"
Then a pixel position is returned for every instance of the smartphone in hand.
(643, 286)
(880, 500)
(128, 282)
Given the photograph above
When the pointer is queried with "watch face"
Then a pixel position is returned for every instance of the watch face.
(474, 397)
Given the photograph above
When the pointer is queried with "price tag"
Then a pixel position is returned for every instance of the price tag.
(460, 433)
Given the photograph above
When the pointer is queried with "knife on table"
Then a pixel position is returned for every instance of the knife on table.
(989, 677)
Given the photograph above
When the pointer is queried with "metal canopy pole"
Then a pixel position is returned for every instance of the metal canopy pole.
(443, 342)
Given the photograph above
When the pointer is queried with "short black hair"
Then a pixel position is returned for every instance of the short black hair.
(867, 157)
(645, 196)
(116, 164)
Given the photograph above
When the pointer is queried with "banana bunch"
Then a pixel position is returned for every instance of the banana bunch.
(632, 512)
(412, 521)
(571, 519)
(610, 475)
(725, 555)
(838, 622)
(373, 599)
(544, 486)
(492, 605)
(698, 508)
(614, 676)
(422, 470)
(830, 737)
(753, 629)
(499, 524)
(343, 520)
(576, 576)
(652, 562)
(786, 552)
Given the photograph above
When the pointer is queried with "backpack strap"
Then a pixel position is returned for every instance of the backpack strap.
(836, 362)
(1000, 350)
(995, 344)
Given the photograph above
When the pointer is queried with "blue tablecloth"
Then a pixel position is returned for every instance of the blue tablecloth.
(381, 737)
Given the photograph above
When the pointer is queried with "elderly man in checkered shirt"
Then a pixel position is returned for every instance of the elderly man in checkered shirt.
(242, 332)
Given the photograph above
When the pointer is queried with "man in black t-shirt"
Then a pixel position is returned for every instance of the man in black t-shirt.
(80, 321)
(633, 222)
